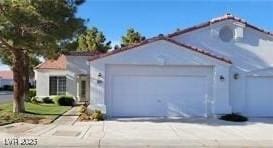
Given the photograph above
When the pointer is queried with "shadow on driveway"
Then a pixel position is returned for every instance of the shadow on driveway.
(205, 121)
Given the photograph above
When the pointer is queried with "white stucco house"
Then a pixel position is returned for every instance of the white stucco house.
(221, 66)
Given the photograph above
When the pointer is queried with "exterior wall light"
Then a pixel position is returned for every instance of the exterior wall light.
(222, 78)
(99, 80)
(236, 76)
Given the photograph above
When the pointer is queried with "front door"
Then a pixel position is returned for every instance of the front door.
(83, 90)
(82, 86)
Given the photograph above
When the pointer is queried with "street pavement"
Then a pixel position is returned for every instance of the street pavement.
(143, 132)
(6, 96)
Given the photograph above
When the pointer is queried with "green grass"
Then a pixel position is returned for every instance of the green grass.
(34, 113)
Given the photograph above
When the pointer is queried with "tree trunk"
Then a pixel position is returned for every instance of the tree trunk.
(18, 73)
(26, 76)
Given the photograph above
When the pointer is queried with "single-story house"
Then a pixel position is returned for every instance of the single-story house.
(6, 78)
(221, 66)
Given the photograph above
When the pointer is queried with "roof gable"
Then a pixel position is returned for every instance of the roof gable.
(60, 63)
(216, 20)
(151, 40)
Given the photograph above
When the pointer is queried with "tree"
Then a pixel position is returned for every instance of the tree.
(29, 65)
(131, 37)
(93, 40)
(35, 27)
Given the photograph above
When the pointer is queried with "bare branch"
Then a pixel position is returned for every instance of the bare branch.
(5, 43)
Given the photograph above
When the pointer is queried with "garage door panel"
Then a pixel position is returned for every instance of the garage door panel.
(158, 95)
(259, 96)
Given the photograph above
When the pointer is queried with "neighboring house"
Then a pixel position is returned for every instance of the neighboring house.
(224, 65)
(6, 78)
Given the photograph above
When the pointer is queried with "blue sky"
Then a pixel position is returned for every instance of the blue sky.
(152, 17)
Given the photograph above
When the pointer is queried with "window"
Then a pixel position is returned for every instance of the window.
(57, 85)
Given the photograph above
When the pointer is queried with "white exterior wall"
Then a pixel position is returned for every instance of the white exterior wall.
(76, 65)
(251, 54)
(162, 53)
(42, 80)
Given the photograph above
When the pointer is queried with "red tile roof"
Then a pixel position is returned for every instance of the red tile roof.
(192, 48)
(228, 16)
(59, 63)
(82, 53)
(7, 74)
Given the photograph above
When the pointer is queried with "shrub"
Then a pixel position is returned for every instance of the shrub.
(83, 109)
(32, 93)
(84, 113)
(34, 100)
(84, 117)
(97, 115)
(64, 100)
(234, 117)
(47, 100)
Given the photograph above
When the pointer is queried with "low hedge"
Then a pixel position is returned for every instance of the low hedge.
(47, 100)
(64, 100)
(234, 117)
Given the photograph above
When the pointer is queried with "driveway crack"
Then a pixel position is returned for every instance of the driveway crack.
(103, 130)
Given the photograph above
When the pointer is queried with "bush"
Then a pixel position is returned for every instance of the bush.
(47, 100)
(234, 117)
(84, 113)
(32, 93)
(34, 100)
(64, 100)
(97, 116)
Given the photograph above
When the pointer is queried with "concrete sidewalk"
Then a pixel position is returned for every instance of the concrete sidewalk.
(147, 133)
(69, 118)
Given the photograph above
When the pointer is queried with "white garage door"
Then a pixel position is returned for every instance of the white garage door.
(158, 91)
(259, 96)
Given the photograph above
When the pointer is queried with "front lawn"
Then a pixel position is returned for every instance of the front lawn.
(35, 113)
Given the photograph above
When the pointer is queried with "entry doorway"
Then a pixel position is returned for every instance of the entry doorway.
(83, 86)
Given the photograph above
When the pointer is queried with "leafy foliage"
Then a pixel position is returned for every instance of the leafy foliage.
(93, 40)
(38, 25)
(32, 93)
(47, 100)
(131, 37)
(30, 28)
(64, 100)
(86, 114)
(97, 116)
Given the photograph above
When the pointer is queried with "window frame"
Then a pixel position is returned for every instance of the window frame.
(58, 84)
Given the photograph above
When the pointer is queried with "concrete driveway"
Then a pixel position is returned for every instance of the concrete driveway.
(147, 133)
